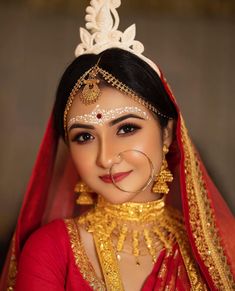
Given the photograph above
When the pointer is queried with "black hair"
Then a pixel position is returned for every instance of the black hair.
(127, 68)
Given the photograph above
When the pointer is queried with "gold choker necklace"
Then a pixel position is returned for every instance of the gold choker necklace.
(138, 229)
(135, 228)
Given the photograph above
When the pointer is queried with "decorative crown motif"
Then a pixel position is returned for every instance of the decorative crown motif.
(103, 20)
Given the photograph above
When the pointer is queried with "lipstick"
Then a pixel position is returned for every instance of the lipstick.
(116, 177)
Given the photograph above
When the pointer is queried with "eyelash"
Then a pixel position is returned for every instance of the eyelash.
(132, 128)
(82, 134)
(128, 128)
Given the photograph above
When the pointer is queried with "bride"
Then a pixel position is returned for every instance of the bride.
(148, 216)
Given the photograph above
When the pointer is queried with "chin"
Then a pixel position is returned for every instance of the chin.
(118, 198)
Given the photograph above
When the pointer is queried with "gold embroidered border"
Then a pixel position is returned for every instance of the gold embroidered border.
(81, 259)
(108, 260)
(176, 226)
(11, 279)
(107, 257)
(202, 220)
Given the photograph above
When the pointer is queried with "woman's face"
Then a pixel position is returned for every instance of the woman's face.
(116, 133)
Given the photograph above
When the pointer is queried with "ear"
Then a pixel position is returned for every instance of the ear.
(168, 133)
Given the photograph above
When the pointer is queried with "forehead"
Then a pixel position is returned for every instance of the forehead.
(109, 99)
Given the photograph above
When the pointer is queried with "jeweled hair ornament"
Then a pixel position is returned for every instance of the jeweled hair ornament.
(91, 91)
(102, 20)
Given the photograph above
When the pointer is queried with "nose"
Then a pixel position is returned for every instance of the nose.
(107, 155)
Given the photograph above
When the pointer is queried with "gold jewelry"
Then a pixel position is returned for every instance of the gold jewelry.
(135, 228)
(121, 157)
(165, 176)
(115, 227)
(84, 192)
(91, 91)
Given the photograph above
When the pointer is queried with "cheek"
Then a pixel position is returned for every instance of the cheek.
(150, 142)
(153, 150)
(82, 159)
(152, 145)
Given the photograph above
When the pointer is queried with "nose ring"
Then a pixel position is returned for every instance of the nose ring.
(121, 158)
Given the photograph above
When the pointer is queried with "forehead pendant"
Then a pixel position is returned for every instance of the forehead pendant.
(102, 20)
(91, 91)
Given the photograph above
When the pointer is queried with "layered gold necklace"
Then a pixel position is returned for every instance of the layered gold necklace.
(135, 228)
(138, 229)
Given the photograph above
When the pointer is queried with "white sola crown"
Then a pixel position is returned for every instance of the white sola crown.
(102, 20)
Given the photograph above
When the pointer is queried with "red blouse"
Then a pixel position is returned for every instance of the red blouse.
(49, 262)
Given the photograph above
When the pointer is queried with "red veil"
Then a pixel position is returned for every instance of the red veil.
(208, 220)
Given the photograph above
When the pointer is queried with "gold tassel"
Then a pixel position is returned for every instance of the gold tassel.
(135, 246)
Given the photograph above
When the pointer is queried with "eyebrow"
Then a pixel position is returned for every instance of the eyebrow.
(111, 123)
(121, 118)
(80, 125)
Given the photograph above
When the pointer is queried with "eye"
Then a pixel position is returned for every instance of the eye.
(83, 137)
(128, 129)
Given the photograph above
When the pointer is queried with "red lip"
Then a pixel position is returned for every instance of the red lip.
(116, 177)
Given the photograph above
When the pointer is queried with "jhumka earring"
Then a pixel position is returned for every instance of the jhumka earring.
(84, 193)
(160, 186)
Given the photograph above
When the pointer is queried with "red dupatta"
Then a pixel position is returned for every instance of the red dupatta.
(208, 220)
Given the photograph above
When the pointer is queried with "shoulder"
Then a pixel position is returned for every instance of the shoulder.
(44, 258)
(53, 232)
(48, 242)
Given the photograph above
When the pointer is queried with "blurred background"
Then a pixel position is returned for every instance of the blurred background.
(193, 41)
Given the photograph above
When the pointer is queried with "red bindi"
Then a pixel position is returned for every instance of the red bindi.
(99, 115)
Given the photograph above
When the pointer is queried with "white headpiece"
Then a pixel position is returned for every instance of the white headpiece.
(102, 20)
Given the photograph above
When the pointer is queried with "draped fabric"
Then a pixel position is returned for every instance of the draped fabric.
(48, 263)
(209, 223)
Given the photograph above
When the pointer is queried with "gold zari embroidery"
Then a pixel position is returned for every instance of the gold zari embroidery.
(12, 268)
(202, 220)
(99, 223)
(81, 259)
(108, 261)
(176, 227)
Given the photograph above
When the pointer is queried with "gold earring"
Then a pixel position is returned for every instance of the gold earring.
(160, 186)
(84, 192)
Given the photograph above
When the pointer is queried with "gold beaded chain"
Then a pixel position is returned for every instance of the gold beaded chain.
(91, 91)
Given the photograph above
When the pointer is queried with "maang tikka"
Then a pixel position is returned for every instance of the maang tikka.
(165, 176)
(91, 90)
(102, 20)
(90, 93)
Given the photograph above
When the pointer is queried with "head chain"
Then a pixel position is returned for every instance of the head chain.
(114, 82)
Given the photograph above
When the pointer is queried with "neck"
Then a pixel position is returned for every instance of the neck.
(134, 228)
(141, 212)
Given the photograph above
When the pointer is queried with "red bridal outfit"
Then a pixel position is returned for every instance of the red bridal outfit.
(201, 258)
